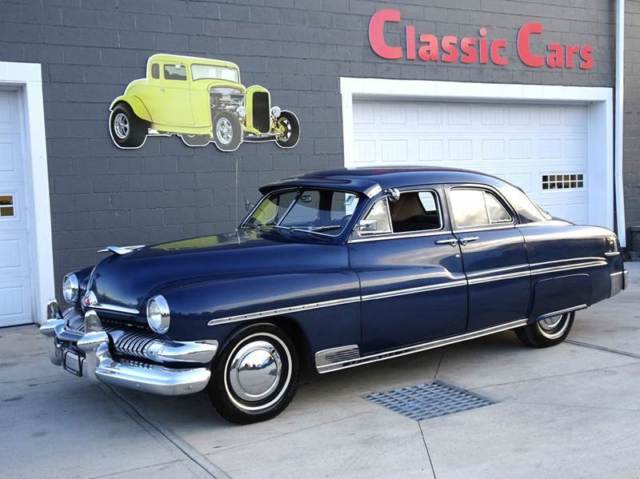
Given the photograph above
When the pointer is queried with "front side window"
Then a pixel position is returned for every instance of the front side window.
(312, 210)
(175, 72)
(415, 211)
(211, 72)
(473, 207)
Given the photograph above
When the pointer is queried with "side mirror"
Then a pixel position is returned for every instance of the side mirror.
(365, 227)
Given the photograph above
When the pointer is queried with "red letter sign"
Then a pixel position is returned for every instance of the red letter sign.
(524, 52)
(376, 34)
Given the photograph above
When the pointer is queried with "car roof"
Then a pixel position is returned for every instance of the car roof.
(170, 58)
(372, 180)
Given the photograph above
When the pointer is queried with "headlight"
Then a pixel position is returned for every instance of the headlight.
(275, 111)
(158, 314)
(70, 288)
(240, 111)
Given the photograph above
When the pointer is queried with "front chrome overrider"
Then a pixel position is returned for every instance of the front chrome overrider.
(190, 374)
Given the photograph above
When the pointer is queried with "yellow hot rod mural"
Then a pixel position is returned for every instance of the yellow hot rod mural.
(202, 101)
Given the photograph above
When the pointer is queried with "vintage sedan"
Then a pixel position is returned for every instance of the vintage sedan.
(333, 269)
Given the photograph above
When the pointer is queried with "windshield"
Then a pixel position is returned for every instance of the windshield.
(200, 72)
(315, 211)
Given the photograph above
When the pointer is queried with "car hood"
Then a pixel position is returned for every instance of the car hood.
(129, 280)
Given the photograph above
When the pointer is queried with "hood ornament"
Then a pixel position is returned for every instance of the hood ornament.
(120, 250)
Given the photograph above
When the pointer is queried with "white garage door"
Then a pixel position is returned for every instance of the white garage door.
(15, 290)
(541, 148)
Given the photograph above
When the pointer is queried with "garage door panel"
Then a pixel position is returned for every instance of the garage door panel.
(518, 142)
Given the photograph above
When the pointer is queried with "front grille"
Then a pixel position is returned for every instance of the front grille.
(261, 111)
(132, 343)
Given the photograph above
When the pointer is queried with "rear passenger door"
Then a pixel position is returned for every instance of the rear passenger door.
(408, 261)
(494, 256)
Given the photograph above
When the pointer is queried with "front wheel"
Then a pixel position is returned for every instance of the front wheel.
(290, 126)
(227, 131)
(256, 375)
(546, 332)
(127, 130)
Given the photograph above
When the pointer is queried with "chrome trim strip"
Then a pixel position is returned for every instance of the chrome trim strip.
(114, 308)
(618, 273)
(417, 289)
(562, 311)
(585, 258)
(289, 309)
(489, 279)
(338, 354)
(557, 269)
(395, 236)
(373, 358)
(612, 253)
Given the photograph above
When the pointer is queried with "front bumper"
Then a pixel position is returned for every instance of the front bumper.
(140, 362)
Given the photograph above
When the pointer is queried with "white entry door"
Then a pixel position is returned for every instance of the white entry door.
(541, 148)
(15, 257)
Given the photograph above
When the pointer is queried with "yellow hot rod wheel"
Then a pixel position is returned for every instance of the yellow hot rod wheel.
(127, 130)
(227, 131)
(290, 127)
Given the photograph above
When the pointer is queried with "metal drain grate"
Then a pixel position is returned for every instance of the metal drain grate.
(425, 401)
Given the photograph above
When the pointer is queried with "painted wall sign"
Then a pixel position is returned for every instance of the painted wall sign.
(480, 49)
(202, 101)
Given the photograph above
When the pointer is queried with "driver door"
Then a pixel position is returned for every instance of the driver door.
(412, 281)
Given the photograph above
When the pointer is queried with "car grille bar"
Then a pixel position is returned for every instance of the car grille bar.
(132, 343)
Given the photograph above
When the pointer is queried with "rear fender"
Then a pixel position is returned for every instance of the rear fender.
(561, 293)
(135, 104)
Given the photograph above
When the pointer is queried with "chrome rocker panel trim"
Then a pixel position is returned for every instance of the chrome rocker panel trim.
(323, 368)
(99, 365)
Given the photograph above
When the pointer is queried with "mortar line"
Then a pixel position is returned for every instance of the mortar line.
(185, 448)
(424, 441)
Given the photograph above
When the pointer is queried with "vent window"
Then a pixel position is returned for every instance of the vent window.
(565, 181)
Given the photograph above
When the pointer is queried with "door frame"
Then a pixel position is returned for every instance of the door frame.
(26, 78)
(605, 194)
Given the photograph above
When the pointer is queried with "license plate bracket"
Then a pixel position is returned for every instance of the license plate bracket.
(72, 361)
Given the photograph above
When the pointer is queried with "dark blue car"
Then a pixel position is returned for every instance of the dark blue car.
(332, 269)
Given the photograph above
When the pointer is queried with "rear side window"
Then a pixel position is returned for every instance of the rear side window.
(415, 211)
(472, 207)
(175, 72)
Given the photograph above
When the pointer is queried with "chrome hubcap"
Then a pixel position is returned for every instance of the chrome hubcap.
(121, 126)
(553, 327)
(224, 131)
(255, 371)
(551, 323)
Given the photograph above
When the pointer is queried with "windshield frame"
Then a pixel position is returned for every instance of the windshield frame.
(196, 64)
(346, 229)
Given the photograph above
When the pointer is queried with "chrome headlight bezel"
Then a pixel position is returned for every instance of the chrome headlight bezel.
(70, 288)
(276, 111)
(158, 314)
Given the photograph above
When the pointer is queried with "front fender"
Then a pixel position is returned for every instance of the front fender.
(136, 105)
(325, 306)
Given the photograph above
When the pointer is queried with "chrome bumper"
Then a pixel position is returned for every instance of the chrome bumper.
(619, 281)
(96, 362)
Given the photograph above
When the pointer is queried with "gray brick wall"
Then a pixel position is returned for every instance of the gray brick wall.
(632, 113)
(90, 49)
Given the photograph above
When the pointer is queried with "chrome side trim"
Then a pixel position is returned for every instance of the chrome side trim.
(396, 236)
(373, 358)
(338, 354)
(618, 273)
(500, 277)
(114, 308)
(557, 269)
(566, 260)
(562, 311)
(612, 253)
(418, 289)
(286, 310)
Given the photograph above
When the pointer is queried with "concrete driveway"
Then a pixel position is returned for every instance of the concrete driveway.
(568, 411)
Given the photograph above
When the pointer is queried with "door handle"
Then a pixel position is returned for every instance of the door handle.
(468, 239)
(450, 241)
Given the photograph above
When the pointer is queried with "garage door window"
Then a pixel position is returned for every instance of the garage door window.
(474, 208)
(6, 206)
(567, 181)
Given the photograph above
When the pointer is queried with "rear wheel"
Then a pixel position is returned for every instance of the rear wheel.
(546, 332)
(256, 375)
(127, 130)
